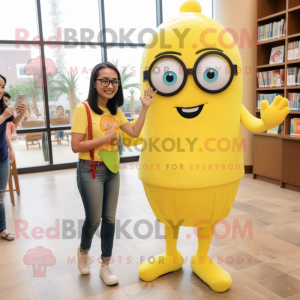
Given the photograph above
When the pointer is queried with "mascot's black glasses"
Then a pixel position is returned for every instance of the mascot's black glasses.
(213, 73)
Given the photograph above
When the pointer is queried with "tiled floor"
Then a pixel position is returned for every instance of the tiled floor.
(264, 261)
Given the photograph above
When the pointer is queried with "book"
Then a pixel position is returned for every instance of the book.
(274, 78)
(293, 76)
(273, 130)
(296, 126)
(277, 55)
(269, 97)
(294, 101)
(293, 51)
(271, 31)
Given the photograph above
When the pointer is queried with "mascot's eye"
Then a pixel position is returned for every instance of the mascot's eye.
(167, 75)
(170, 78)
(213, 72)
(211, 75)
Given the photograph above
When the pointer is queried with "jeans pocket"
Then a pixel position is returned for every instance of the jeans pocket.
(85, 166)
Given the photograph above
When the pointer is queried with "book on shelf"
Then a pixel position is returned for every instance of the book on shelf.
(281, 128)
(269, 97)
(274, 78)
(271, 31)
(295, 127)
(293, 76)
(293, 51)
(273, 130)
(294, 101)
(277, 55)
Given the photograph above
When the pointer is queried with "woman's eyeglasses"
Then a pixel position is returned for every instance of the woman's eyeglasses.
(213, 73)
(106, 82)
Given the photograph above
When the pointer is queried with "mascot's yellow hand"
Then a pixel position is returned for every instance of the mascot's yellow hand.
(274, 114)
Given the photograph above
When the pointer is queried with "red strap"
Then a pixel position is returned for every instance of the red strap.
(90, 136)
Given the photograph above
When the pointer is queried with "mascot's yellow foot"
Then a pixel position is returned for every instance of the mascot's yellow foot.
(160, 265)
(211, 273)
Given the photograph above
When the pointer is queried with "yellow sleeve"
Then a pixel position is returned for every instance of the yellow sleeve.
(123, 119)
(80, 123)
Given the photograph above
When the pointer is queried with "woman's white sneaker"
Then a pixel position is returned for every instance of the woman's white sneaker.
(108, 275)
(83, 262)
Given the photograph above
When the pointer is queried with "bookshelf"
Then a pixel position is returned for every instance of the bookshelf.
(276, 157)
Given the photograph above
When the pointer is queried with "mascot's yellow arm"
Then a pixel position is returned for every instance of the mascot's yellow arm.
(271, 116)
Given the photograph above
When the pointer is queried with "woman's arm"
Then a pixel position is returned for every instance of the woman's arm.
(9, 111)
(135, 130)
(78, 143)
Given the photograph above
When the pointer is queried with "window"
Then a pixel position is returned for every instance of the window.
(77, 20)
(18, 20)
(69, 50)
(134, 21)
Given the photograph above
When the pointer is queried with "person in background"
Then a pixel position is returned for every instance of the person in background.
(36, 112)
(59, 114)
(6, 115)
(10, 126)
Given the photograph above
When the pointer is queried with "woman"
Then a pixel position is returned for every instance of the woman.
(6, 115)
(10, 126)
(100, 195)
(59, 114)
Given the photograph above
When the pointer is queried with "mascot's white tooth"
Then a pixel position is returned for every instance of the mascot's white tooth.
(190, 110)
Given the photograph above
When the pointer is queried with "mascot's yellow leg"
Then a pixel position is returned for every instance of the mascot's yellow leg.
(210, 272)
(167, 262)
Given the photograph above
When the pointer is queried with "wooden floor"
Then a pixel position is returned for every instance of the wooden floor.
(263, 264)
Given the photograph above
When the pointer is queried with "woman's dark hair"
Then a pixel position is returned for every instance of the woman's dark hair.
(58, 108)
(116, 101)
(2, 104)
(6, 94)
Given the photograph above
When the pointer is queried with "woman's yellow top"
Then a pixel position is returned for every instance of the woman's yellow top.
(80, 125)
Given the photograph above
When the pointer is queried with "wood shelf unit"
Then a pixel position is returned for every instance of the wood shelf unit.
(277, 156)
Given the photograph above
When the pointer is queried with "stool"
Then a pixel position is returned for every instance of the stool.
(13, 172)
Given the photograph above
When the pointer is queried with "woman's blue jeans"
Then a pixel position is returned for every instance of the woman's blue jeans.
(100, 199)
(4, 174)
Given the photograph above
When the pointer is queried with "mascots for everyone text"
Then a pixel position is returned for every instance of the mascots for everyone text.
(193, 162)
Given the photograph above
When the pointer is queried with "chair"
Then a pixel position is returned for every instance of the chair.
(13, 172)
(33, 138)
(57, 140)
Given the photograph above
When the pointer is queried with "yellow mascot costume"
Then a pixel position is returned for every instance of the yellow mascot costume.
(192, 162)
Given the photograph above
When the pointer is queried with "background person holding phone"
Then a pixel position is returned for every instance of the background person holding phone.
(10, 126)
(6, 115)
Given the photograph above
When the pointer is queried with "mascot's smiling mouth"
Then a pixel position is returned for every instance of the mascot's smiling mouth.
(190, 112)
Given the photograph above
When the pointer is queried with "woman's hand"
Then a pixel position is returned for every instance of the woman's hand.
(22, 107)
(148, 97)
(110, 135)
(11, 156)
(8, 113)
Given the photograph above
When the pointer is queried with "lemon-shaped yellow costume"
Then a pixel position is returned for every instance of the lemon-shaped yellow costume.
(192, 157)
